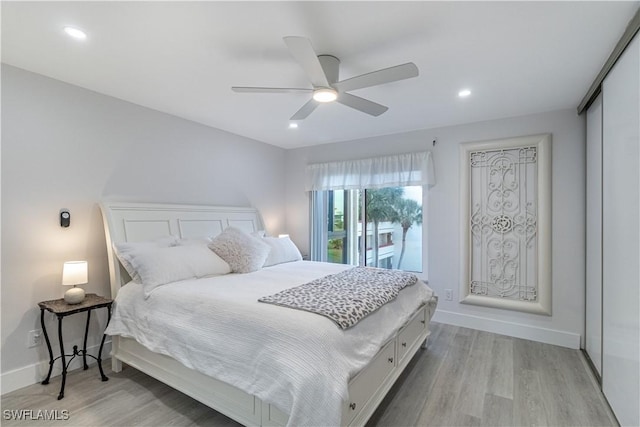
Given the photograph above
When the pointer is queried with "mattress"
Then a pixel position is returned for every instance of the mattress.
(298, 361)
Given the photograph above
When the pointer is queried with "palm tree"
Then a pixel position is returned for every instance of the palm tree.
(380, 206)
(408, 212)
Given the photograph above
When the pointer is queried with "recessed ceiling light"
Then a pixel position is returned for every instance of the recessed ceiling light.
(75, 33)
(464, 93)
(325, 95)
(293, 125)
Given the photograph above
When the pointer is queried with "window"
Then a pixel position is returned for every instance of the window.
(369, 211)
(393, 231)
(337, 224)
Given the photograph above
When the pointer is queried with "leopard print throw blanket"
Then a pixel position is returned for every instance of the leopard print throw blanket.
(345, 297)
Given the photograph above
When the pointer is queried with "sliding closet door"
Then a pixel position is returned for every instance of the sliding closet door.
(621, 240)
(593, 340)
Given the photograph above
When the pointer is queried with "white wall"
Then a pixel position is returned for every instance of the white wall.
(566, 325)
(67, 147)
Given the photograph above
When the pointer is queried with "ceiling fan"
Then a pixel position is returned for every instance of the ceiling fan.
(323, 71)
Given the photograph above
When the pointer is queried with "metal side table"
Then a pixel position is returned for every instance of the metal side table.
(60, 308)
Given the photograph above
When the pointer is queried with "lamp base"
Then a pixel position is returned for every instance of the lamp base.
(74, 295)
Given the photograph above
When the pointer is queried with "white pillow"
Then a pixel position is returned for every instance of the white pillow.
(159, 266)
(282, 250)
(126, 250)
(243, 252)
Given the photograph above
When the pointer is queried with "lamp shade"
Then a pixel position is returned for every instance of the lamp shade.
(74, 273)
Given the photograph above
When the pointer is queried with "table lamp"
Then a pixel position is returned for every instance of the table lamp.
(74, 273)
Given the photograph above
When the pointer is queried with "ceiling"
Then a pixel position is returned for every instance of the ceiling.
(182, 58)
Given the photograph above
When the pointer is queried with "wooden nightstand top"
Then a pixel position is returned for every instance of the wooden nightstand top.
(60, 306)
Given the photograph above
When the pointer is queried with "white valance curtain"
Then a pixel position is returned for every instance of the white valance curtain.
(390, 171)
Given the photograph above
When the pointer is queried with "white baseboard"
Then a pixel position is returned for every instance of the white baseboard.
(512, 329)
(35, 373)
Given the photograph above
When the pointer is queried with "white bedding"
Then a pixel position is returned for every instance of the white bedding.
(298, 361)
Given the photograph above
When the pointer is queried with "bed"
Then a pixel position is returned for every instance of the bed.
(267, 384)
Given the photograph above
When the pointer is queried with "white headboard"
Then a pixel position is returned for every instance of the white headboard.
(134, 222)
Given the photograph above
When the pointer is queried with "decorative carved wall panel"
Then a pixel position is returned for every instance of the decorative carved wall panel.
(506, 223)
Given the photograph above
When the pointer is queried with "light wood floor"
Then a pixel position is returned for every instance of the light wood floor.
(464, 378)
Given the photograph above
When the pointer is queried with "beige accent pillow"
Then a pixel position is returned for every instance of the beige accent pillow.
(241, 251)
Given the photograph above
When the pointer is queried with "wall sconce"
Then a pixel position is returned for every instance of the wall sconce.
(74, 273)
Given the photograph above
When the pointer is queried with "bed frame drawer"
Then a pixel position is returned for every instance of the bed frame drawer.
(411, 333)
(364, 385)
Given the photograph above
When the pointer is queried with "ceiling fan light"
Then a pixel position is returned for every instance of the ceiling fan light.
(325, 95)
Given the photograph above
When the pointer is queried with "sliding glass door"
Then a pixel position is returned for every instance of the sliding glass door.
(391, 237)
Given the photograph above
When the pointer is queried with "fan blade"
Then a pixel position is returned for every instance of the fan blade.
(305, 110)
(303, 52)
(361, 104)
(242, 89)
(386, 75)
